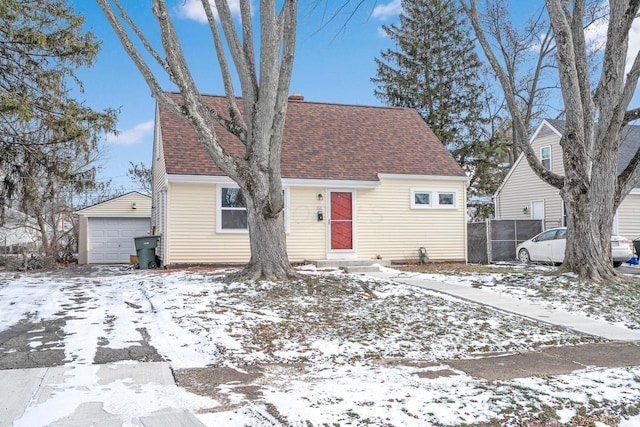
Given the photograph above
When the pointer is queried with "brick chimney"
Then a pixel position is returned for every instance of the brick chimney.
(296, 97)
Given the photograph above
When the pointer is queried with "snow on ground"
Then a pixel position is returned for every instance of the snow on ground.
(366, 352)
(615, 303)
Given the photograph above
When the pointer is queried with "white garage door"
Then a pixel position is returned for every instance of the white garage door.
(111, 239)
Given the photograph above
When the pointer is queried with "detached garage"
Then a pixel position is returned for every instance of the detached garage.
(107, 229)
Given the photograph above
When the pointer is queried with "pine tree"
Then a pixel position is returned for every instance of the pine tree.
(434, 69)
(42, 44)
(48, 138)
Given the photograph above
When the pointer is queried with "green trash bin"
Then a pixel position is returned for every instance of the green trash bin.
(146, 251)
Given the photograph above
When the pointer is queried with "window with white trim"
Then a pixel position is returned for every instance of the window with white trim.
(545, 157)
(232, 210)
(421, 199)
(428, 198)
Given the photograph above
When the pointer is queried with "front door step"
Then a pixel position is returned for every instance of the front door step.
(352, 265)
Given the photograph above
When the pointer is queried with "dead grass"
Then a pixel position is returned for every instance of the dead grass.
(616, 302)
(360, 320)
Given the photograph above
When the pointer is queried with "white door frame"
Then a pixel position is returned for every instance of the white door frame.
(341, 253)
(533, 211)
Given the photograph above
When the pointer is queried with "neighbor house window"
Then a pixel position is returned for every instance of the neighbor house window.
(423, 199)
(545, 157)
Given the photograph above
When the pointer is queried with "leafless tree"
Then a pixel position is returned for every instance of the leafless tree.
(141, 176)
(264, 85)
(591, 187)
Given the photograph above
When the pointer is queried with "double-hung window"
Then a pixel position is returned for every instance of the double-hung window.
(545, 157)
(232, 210)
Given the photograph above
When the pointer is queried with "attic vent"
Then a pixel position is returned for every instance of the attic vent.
(296, 97)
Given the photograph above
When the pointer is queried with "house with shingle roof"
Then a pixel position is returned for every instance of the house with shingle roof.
(377, 172)
(522, 195)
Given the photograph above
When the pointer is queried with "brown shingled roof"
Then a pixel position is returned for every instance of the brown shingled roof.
(325, 141)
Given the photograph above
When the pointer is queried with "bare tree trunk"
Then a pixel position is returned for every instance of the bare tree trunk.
(588, 252)
(259, 124)
(591, 188)
(268, 248)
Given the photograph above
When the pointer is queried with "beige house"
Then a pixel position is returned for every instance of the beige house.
(107, 229)
(522, 195)
(359, 183)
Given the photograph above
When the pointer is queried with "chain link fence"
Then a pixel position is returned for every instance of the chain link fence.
(496, 240)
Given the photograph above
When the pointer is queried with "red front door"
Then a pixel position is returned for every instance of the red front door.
(341, 221)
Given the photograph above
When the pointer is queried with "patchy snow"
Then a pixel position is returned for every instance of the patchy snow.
(615, 303)
(365, 352)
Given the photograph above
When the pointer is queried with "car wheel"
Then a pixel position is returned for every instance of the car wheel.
(617, 264)
(523, 256)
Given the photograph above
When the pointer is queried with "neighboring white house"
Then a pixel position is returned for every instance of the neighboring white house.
(522, 195)
(359, 182)
(107, 229)
(18, 231)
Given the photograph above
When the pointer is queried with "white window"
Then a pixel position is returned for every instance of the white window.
(232, 210)
(545, 157)
(421, 199)
(428, 198)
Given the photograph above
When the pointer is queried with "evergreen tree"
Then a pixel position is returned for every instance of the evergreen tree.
(49, 140)
(42, 44)
(434, 69)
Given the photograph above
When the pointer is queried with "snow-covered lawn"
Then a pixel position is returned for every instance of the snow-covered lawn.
(333, 349)
(616, 303)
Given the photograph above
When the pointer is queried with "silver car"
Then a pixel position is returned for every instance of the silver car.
(549, 245)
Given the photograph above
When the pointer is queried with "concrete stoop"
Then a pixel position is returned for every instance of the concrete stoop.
(352, 265)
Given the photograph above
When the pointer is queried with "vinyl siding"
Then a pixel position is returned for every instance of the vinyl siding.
(83, 230)
(306, 239)
(121, 206)
(193, 239)
(628, 217)
(387, 226)
(523, 186)
(191, 234)
(159, 177)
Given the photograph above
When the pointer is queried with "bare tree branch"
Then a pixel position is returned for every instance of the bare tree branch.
(135, 55)
(520, 128)
(141, 36)
(237, 125)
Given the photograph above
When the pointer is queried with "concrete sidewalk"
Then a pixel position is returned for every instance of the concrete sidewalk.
(507, 304)
(93, 395)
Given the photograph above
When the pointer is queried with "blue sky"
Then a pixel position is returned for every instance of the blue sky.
(333, 63)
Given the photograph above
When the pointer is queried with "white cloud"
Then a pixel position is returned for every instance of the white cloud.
(192, 9)
(384, 11)
(597, 32)
(131, 136)
(634, 44)
(596, 37)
